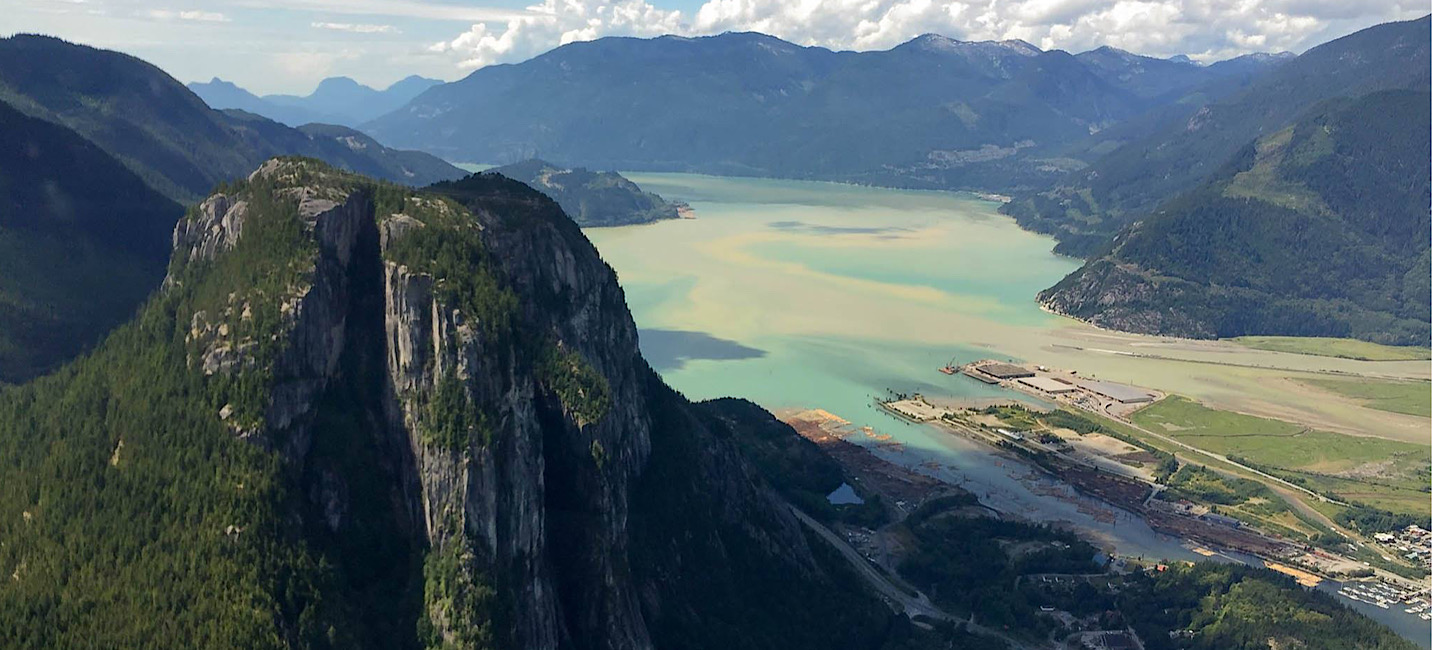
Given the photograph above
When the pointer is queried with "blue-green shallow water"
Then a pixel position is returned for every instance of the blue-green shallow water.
(815, 295)
(833, 323)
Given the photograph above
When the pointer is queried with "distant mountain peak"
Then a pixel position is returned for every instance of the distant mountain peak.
(340, 82)
(760, 39)
(1269, 56)
(940, 43)
(1021, 46)
(1111, 51)
(216, 82)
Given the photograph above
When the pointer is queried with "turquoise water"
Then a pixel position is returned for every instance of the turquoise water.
(801, 295)
(845, 292)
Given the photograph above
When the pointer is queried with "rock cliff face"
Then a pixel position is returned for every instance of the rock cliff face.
(456, 372)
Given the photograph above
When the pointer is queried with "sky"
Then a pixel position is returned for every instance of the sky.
(288, 46)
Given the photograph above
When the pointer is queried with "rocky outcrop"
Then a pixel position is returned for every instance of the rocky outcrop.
(213, 230)
(312, 309)
(496, 494)
(470, 363)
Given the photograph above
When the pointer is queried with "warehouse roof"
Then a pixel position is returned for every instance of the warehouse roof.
(1048, 385)
(1118, 392)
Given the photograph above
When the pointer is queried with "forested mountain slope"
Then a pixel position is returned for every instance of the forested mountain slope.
(1321, 228)
(82, 242)
(1089, 206)
(163, 132)
(932, 112)
(361, 416)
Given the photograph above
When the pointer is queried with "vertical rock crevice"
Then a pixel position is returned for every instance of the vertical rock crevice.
(469, 427)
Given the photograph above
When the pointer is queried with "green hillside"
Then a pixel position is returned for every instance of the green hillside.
(82, 242)
(1089, 206)
(592, 198)
(167, 135)
(1319, 229)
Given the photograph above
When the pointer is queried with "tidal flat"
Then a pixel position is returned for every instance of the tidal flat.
(848, 291)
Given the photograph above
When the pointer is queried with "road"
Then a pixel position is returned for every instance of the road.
(1104, 412)
(894, 588)
(1284, 489)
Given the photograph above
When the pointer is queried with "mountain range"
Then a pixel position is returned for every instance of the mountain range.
(1090, 144)
(336, 100)
(166, 134)
(1235, 218)
(1321, 228)
(932, 112)
(1191, 141)
(319, 409)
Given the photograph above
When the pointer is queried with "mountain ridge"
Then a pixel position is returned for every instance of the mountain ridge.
(1088, 206)
(933, 112)
(162, 130)
(335, 100)
(83, 240)
(1319, 229)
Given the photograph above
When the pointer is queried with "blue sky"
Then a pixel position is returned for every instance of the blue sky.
(289, 45)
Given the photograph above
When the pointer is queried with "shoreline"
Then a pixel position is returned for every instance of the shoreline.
(871, 461)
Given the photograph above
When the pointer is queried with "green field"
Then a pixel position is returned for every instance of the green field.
(1383, 473)
(1243, 498)
(1273, 442)
(1402, 498)
(1331, 347)
(1410, 397)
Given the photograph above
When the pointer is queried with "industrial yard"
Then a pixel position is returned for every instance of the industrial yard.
(1064, 387)
(1123, 474)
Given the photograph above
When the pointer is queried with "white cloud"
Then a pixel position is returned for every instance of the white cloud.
(357, 28)
(1205, 29)
(199, 16)
(556, 22)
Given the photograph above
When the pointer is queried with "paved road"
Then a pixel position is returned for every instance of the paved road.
(1218, 457)
(1285, 490)
(893, 587)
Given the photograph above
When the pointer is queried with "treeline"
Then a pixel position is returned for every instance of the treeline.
(970, 564)
(1212, 606)
(1368, 519)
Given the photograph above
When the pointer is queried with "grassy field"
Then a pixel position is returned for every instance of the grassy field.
(1275, 443)
(1410, 397)
(1382, 473)
(1400, 497)
(1331, 347)
(1243, 498)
